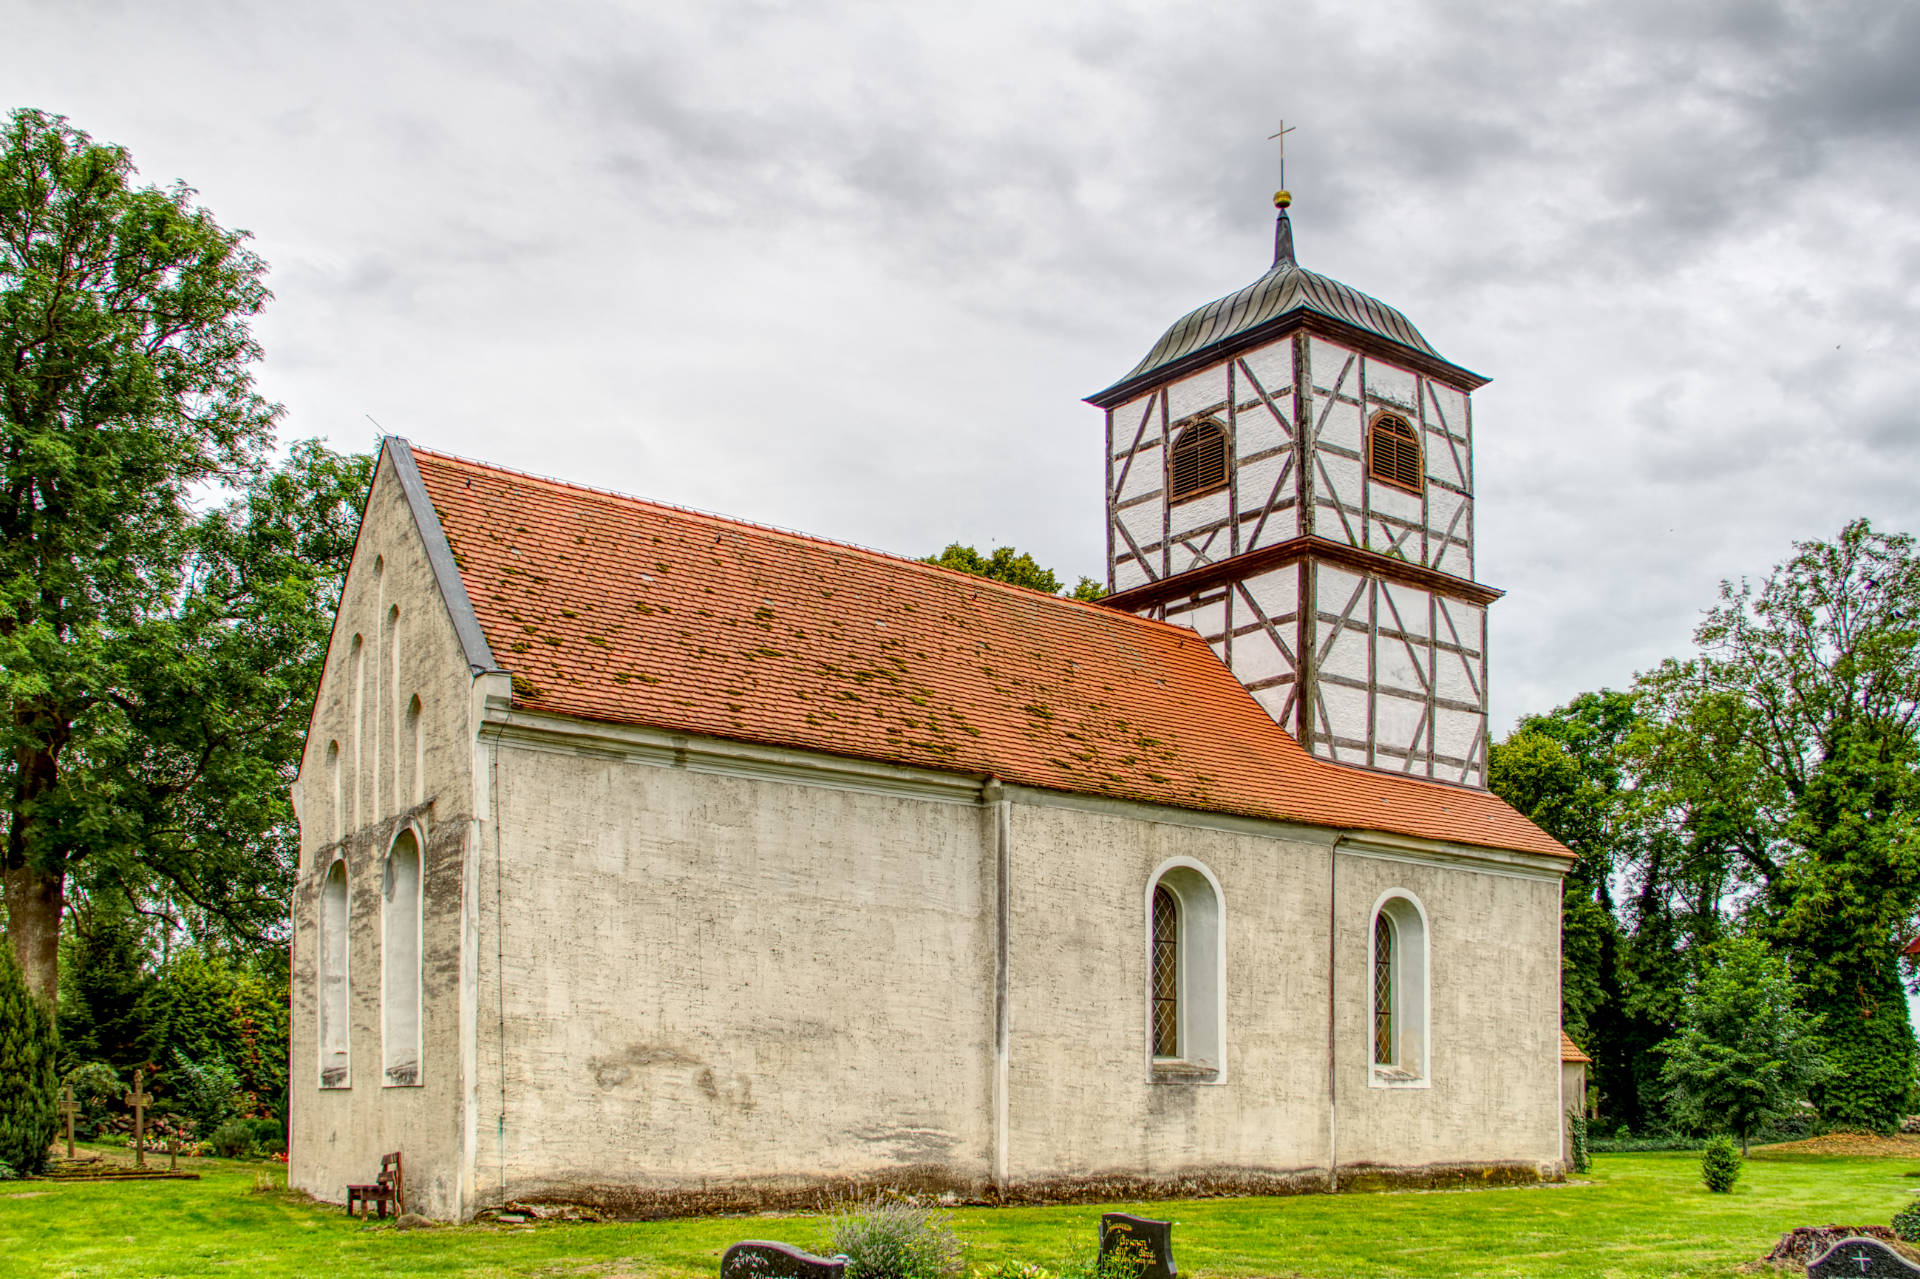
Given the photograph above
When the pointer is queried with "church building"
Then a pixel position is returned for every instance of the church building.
(674, 863)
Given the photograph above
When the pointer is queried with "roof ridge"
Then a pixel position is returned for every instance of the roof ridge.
(795, 534)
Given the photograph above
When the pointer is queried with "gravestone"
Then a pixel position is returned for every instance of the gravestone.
(139, 1101)
(68, 1109)
(1861, 1258)
(757, 1259)
(1150, 1240)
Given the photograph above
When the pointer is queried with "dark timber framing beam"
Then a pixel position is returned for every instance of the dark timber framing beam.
(1248, 564)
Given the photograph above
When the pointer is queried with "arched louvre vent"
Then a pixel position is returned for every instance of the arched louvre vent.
(1198, 463)
(1394, 453)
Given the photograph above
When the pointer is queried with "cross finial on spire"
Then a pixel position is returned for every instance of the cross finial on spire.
(1281, 138)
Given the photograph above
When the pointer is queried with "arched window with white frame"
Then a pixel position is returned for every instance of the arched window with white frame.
(333, 977)
(1186, 974)
(400, 962)
(1397, 990)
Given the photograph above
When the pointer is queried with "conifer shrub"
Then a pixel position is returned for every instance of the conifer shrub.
(29, 1110)
(204, 1091)
(1906, 1222)
(895, 1239)
(1720, 1165)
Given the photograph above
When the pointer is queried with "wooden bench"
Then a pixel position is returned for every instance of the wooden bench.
(388, 1189)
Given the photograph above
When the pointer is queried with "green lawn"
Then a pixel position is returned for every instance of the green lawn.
(1637, 1215)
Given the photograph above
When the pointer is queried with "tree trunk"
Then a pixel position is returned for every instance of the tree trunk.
(35, 901)
(1743, 1143)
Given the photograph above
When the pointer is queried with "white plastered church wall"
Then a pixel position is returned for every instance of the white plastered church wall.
(370, 771)
(697, 984)
(1489, 1094)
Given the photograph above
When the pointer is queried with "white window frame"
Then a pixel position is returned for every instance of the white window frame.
(1412, 992)
(1202, 968)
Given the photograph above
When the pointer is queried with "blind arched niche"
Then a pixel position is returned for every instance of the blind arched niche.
(400, 962)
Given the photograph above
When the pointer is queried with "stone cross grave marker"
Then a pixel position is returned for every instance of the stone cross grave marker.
(139, 1100)
(757, 1259)
(68, 1109)
(1151, 1241)
(1860, 1258)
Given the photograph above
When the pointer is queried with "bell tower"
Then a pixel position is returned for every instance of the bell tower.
(1290, 473)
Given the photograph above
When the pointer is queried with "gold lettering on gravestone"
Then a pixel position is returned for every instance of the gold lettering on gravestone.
(139, 1100)
(68, 1109)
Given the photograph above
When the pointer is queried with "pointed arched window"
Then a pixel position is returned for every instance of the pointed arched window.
(1393, 453)
(1197, 462)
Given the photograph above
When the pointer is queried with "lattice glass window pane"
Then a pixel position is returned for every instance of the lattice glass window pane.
(1382, 990)
(1166, 974)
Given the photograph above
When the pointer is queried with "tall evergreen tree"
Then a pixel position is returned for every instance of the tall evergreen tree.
(29, 1114)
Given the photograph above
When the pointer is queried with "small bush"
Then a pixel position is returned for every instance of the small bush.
(1720, 1165)
(97, 1088)
(6, 1171)
(895, 1239)
(233, 1139)
(1906, 1222)
(269, 1135)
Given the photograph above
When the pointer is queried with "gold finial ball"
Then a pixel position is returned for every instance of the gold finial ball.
(1281, 199)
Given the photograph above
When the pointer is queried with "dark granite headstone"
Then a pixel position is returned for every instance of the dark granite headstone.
(1154, 1237)
(1859, 1258)
(756, 1259)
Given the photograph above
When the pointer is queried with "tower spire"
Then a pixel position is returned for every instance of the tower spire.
(1283, 229)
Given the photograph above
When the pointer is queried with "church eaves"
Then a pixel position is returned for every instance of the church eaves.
(1286, 294)
(613, 609)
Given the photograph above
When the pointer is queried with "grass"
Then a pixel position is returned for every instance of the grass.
(1636, 1215)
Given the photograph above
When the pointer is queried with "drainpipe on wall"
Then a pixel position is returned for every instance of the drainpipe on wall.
(994, 794)
(1333, 1092)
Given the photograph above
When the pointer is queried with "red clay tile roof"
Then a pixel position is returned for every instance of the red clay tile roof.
(615, 609)
(1570, 1051)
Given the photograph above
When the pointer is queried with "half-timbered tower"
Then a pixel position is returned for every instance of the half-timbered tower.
(1290, 473)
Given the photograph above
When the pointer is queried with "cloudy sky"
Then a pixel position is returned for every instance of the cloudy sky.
(849, 267)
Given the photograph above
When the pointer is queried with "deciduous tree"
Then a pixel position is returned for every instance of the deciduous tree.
(1017, 568)
(1745, 1054)
(156, 660)
(1783, 760)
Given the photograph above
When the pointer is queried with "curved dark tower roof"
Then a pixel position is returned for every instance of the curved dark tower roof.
(1287, 290)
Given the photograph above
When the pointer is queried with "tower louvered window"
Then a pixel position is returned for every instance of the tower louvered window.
(1382, 990)
(1394, 453)
(1166, 974)
(1197, 463)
